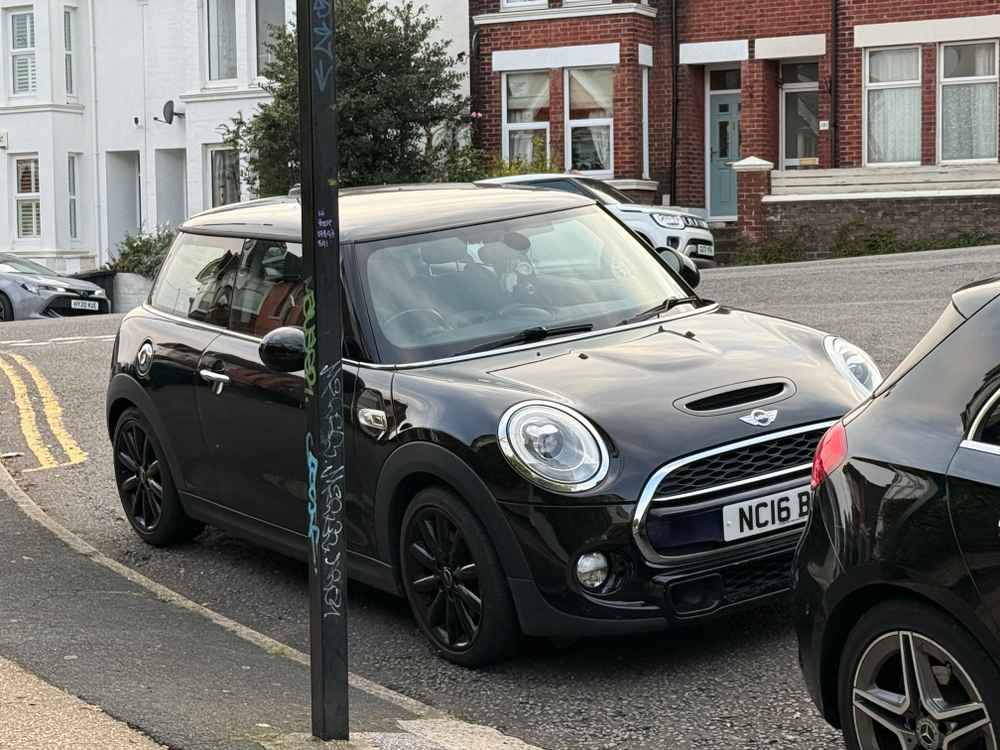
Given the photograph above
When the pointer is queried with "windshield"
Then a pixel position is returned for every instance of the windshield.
(436, 295)
(605, 193)
(13, 264)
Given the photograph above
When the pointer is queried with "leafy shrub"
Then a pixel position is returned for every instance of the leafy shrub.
(786, 248)
(143, 252)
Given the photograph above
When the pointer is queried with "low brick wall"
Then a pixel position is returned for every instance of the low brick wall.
(837, 228)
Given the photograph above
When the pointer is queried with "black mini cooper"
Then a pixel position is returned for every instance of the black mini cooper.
(548, 432)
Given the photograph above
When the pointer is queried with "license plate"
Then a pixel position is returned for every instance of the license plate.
(84, 304)
(763, 514)
(706, 250)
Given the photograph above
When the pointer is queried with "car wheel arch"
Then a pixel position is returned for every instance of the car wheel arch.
(417, 465)
(124, 393)
(848, 611)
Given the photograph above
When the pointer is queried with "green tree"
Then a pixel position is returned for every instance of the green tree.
(399, 110)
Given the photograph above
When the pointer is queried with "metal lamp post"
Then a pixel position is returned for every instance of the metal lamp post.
(324, 440)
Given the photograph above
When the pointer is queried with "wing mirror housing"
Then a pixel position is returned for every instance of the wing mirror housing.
(686, 268)
(284, 349)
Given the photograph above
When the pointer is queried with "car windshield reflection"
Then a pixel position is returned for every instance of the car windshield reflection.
(438, 294)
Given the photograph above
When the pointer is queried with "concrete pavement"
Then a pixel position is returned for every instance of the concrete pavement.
(36, 716)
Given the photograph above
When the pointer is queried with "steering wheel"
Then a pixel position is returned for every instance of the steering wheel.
(428, 313)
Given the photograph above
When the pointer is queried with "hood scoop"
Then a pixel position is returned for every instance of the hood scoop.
(736, 397)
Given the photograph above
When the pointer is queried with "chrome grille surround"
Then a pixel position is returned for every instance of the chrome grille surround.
(648, 499)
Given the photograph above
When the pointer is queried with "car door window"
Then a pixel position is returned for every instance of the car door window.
(989, 432)
(198, 278)
(269, 288)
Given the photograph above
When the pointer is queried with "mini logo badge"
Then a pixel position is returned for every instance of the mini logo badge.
(760, 417)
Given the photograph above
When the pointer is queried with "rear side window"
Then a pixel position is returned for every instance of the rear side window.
(198, 278)
(990, 430)
(269, 288)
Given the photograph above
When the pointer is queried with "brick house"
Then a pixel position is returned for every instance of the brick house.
(762, 114)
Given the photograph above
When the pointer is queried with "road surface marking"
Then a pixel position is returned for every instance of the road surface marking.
(29, 423)
(53, 412)
(59, 340)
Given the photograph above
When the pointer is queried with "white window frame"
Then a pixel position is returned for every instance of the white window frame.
(791, 88)
(69, 50)
(210, 149)
(207, 46)
(509, 127)
(523, 4)
(866, 87)
(941, 83)
(255, 40)
(34, 197)
(72, 190)
(596, 122)
(17, 52)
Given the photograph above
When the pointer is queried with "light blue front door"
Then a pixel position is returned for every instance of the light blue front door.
(724, 145)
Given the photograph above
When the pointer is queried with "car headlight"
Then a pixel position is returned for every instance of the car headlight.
(670, 221)
(553, 446)
(855, 365)
(41, 288)
(99, 293)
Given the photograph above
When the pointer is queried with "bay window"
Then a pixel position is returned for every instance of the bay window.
(892, 105)
(270, 20)
(590, 119)
(526, 117)
(68, 48)
(22, 53)
(224, 166)
(967, 102)
(27, 198)
(74, 220)
(221, 39)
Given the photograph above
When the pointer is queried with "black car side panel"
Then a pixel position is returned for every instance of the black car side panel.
(169, 385)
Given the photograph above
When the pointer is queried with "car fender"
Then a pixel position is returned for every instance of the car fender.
(124, 387)
(421, 457)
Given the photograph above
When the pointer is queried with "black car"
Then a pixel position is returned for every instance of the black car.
(547, 432)
(898, 573)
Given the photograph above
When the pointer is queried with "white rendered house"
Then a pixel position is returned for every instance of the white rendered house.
(85, 152)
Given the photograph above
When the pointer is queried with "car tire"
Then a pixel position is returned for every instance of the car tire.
(145, 485)
(953, 662)
(443, 583)
(6, 309)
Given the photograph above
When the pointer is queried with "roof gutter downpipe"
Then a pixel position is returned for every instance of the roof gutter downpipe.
(674, 114)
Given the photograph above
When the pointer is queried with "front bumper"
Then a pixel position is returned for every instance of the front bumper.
(645, 597)
(60, 305)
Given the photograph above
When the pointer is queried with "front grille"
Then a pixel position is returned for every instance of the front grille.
(741, 464)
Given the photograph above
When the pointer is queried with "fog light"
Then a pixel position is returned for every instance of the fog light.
(592, 570)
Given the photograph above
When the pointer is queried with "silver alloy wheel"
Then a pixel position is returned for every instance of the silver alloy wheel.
(909, 693)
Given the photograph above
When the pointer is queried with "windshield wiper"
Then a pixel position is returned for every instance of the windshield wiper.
(665, 306)
(529, 335)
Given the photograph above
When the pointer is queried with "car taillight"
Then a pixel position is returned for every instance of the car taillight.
(830, 453)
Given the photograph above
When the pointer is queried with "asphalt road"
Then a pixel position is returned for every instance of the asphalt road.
(731, 684)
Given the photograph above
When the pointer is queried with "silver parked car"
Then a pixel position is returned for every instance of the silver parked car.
(30, 290)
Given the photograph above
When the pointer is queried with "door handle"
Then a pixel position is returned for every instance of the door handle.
(218, 380)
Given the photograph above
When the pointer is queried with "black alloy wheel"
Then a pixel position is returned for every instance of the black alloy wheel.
(145, 485)
(454, 582)
(905, 688)
(6, 309)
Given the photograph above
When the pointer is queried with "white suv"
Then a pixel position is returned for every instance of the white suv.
(660, 227)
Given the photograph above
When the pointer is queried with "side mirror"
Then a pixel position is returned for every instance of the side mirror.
(284, 349)
(682, 264)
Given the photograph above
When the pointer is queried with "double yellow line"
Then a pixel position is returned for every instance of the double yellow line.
(51, 408)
